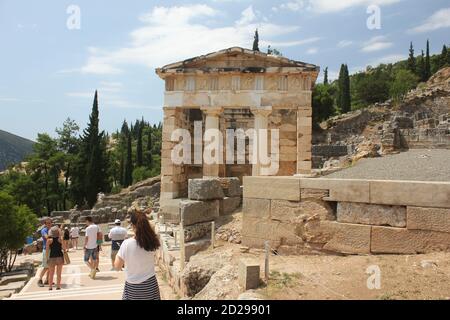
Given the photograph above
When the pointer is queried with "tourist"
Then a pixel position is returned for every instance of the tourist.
(90, 246)
(117, 235)
(138, 255)
(55, 254)
(66, 237)
(74, 235)
(99, 249)
(44, 234)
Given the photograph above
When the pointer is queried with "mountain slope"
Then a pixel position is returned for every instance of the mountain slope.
(13, 149)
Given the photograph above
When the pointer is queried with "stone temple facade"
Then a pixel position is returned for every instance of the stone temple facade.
(237, 88)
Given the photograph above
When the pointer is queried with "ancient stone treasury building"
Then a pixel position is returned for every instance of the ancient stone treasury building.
(233, 91)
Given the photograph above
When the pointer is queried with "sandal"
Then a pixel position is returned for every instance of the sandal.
(59, 288)
(50, 289)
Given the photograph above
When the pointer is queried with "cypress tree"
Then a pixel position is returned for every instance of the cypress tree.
(411, 59)
(128, 175)
(139, 146)
(443, 57)
(325, 77)
(427, 62)
(256, 41)
(91, 170)
(149, 148)
(421, 67)
(344, 98)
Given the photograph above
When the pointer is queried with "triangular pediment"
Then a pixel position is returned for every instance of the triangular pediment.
(236, 58)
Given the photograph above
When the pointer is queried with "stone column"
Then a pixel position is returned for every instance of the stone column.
(261, 122)
(212, 122)
(304, 139)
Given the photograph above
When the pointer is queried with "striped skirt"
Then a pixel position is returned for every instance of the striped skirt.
(147, 290)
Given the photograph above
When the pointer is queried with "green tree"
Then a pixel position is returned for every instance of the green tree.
(444, 58)
(17, 222)
(344, 98)
(45, 165)
(68, 143)
(149, 151)
(404, 81)
(325, 76)
(91, 170)
(421, 67)
(128, 175)
(411, 59)
(256, 41)
(139, 150)
(427, 63)
(323, 102)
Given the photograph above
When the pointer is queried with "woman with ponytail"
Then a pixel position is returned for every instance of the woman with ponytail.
(138, 255)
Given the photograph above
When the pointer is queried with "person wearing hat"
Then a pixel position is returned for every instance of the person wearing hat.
(55, 255)
(117, 235)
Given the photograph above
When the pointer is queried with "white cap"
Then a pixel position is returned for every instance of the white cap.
(117, 221)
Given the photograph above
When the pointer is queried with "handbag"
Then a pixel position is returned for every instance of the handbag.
(66, 258)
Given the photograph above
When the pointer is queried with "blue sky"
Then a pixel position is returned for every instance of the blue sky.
(49, 72)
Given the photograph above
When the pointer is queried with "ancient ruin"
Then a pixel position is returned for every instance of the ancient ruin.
(237, 88)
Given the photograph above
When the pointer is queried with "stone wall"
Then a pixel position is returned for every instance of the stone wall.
(346, 216)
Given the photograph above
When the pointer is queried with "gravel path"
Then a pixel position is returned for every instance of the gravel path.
(415, 165)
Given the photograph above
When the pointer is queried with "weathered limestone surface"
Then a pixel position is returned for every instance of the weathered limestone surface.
(404, 241)
(231, 187)
(285, 188)
(196, 231)
(434, 219)
(421, 194)
(340, 189)
(229, 204)
(205, 189)
(371, 214)
(248, 274)
(256, 208)
(193, 212)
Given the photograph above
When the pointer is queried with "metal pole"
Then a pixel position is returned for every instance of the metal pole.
(266, 260)
(213, 234)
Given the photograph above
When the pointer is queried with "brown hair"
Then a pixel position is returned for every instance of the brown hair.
(145, 235)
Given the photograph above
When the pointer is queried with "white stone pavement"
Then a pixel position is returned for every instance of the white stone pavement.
(77, 285)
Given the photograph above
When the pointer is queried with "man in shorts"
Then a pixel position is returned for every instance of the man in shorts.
(44, 234)
(90, 246)
(117, 235)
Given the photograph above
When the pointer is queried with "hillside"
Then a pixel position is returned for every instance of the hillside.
(13, 149)
(420, 121)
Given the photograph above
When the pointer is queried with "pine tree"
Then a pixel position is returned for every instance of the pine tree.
(427, 63)
(128, 175)
(344, 98)
(256, 41)
(139, 146)
(412, 59)
(325, 77)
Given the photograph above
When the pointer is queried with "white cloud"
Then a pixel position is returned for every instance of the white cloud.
(387, 59)
(344, 43)
(170, 34)
(376, 44)
(312, 50)
(290, 43)
(8, 99)
(440, 19)
(247, 16)
(326, 6)
(296, 5)
(109, 97)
